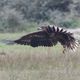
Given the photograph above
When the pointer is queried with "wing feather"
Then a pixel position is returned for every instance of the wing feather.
(66, 39)
(49, 36)
(35, 39)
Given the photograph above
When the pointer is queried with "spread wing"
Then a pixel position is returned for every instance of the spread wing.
(49, 36)
(35, 39)
(66, 39)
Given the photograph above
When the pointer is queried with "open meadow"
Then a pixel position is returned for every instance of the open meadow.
(19, 62)
(54, 20)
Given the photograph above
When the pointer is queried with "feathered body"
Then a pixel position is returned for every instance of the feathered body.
(49, 36)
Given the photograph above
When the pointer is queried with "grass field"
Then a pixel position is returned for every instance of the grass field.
(19, 62)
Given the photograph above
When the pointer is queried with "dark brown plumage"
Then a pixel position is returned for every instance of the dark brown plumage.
(49, 36)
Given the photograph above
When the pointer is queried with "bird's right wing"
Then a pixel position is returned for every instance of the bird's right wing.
(35, 39)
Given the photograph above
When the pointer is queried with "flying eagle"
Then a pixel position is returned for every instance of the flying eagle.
(48, 36)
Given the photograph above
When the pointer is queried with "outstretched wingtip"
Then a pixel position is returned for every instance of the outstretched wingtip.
(73, 47)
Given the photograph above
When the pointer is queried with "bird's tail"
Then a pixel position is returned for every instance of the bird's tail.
(8, 42)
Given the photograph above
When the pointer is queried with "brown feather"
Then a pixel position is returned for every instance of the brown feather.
(49, 36)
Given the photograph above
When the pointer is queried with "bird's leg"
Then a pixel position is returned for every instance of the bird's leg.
(64, 49)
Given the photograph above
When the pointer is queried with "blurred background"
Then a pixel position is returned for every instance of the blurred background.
(26, 15)
(19, 62)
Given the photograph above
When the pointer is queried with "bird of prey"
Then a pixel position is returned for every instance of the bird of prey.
(49, 36)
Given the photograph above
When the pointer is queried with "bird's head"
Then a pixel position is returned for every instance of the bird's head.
(42, 28)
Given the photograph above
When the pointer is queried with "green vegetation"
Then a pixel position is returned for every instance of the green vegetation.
(19, 62)
(20, 15)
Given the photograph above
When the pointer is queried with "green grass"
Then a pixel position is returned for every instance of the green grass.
(19, 62)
